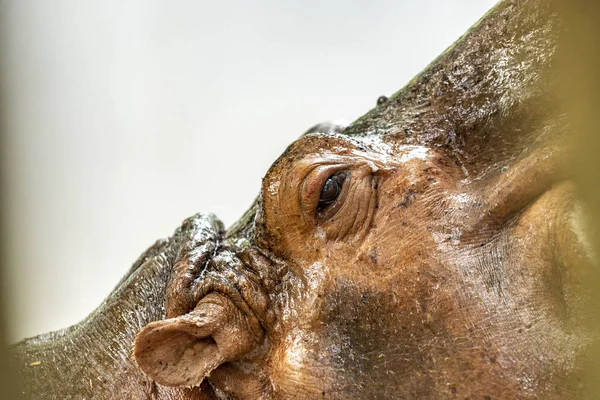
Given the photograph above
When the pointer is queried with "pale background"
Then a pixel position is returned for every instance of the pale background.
(125, 117)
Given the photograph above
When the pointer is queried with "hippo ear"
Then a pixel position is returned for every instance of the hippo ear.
(182, 351)
(327, 127)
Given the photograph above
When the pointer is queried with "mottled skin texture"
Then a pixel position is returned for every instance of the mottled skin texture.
(450, 265)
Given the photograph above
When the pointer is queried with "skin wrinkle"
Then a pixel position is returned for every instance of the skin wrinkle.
(341, 234)
(370, 209)
(359, 215)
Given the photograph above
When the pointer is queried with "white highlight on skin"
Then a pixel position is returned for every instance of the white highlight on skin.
(301, 340)
(294, 353)
(273, 188)
(380, 152)
(315, 275)
(241, 243)
(320, 233)
(303, 304)
(377, 143)
(380, 157)
(415, 152)
(581, 227)
(460, 201)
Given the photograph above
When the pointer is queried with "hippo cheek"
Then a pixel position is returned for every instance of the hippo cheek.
(361, 339)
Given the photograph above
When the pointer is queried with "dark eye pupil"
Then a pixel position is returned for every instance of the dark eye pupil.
(330, 190)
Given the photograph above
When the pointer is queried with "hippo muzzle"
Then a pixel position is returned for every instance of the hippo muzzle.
(218, 309)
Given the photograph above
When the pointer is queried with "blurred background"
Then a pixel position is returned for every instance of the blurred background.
(122, 118)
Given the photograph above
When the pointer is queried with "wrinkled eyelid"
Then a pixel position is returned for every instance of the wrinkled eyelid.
(310, 189)
(305, 189)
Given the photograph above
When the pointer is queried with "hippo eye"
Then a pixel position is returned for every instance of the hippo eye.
(331, 190)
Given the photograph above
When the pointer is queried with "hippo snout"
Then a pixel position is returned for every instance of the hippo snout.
(217, 303)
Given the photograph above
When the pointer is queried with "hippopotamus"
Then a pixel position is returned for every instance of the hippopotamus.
(436, 248)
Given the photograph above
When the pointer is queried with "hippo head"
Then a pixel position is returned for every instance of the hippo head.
(373, 269)
(433, 249)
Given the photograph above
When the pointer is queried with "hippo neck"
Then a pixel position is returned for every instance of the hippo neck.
(92, 360)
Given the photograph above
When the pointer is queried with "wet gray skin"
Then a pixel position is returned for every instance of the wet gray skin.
(433, 249)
